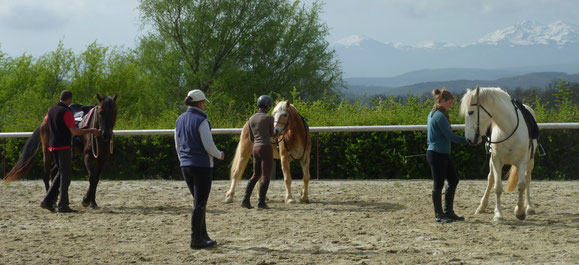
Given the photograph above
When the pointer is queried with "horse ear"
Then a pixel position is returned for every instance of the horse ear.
(477, 89)
(115, 97)
(98, 96)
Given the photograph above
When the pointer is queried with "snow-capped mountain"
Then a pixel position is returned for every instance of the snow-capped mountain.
(522, 45)
(532, 33)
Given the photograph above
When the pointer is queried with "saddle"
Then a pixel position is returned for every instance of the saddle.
(529, 120)
(79, 112)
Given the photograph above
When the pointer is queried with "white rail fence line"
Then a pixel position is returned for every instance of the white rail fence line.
(321, 129)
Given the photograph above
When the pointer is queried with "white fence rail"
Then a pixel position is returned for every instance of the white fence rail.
(322, 129)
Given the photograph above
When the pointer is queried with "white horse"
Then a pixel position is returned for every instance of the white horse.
(510, 144)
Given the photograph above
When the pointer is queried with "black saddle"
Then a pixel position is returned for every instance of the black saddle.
(79, 111)
(529, 120)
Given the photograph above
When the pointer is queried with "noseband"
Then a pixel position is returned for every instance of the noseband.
(485, 137)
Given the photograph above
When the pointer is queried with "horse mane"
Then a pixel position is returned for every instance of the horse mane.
(485, 96)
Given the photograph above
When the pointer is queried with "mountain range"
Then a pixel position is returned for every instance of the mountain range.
(551, 51)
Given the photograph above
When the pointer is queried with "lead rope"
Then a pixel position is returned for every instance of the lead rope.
(92, 138)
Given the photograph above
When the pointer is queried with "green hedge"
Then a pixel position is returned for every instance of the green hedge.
(378, 155)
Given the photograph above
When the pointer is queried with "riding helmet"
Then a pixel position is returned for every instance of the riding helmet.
(264, 102)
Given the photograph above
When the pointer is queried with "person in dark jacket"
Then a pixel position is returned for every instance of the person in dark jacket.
(196, 150)
(439, 137)
(62, 128)
(260, 133)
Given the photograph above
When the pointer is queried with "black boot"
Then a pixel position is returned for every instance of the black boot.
(248, 190)
(204, 234)
(438, 213)
(263, 186)
(196, 230)
(449, 203)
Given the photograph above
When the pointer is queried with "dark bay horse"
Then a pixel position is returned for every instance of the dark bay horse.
(95, 150)
(293, 137)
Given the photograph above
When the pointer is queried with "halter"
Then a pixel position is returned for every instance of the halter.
(488, 138)
(282, 138)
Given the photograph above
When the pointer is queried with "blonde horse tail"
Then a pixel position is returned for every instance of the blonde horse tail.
(513, 178)
(236, 163)
(242, 155)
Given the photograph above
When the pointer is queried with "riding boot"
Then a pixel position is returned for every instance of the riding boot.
(263, 186)
(196, 226)
(248, 190)
(204, 234)
(438, 213)
(449, 203)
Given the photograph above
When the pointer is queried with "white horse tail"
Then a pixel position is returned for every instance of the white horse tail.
(513, 178)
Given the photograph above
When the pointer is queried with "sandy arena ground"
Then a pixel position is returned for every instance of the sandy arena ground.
(348, 222)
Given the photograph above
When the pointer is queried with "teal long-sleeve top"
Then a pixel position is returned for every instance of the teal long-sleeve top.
(439, 133)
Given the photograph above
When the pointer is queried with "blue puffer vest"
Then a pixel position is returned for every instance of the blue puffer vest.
(191, 150)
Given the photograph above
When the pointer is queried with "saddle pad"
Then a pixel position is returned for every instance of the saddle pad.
(87, 118)
(529, 120)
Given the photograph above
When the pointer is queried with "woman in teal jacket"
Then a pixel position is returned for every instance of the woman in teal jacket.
(438, 155)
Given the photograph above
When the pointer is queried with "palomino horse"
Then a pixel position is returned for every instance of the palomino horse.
(293, 136)
(95, 150)
(510, 143)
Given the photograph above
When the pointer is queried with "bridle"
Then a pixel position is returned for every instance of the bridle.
(485, 137)
(94, 145)
(282, 138)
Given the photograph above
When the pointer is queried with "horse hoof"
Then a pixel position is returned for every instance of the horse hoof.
(498, 219)
(85, 203)
(521, 217)
(290, 201)
(228, 200)
(479, 210)
(305, 201)
(94, 205)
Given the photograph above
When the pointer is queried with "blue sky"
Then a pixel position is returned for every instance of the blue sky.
(36, 26)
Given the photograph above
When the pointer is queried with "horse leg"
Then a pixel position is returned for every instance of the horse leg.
(529, 207)
(497, 166)
(305, 163)
(485, 199)
(522, 186)
(285, 167)
(94, 169)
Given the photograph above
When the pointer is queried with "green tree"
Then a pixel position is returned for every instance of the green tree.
(241, 48)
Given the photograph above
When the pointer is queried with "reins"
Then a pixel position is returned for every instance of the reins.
(485, 137)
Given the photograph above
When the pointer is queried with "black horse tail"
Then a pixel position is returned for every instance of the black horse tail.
(24, 163)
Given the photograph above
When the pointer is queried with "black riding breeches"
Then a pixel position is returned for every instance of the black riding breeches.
(199, 182)
(442, 167)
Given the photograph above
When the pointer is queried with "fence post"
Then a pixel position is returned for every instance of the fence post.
(318, 156)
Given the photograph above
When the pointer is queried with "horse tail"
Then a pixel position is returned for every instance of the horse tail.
(513, 178)
(242, 155)
(24, 163)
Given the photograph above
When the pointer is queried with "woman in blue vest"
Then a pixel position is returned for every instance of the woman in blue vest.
(438, 155)
(196, 150)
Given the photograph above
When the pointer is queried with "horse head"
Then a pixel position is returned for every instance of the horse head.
(282, 115)
(107, 114)
(477, 119)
